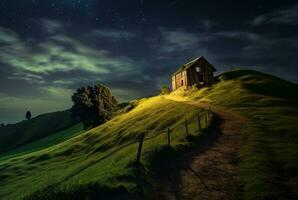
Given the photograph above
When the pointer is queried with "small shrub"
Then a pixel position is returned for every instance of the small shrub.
(165, 90)
(194, 87)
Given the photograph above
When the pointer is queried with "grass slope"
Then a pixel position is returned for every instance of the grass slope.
(269, 160)
(269, 163)
(45, 142)
(15, 135)
(25, 174)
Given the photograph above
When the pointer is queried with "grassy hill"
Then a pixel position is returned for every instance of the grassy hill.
(269, 161)
(31, 173)
(15, 135)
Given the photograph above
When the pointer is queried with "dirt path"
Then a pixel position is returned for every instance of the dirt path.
(211, 171)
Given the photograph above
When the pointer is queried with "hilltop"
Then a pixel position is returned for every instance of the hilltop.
(268, 160)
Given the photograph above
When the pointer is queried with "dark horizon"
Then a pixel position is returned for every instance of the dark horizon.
(49, 48)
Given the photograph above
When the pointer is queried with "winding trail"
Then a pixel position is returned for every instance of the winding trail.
(210, 171)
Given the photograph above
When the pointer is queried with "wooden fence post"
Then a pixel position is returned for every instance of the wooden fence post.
(140, 148)
(186, 127)
(169, 137)
(199, 122)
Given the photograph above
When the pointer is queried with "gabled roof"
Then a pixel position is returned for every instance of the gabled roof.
(191, 63)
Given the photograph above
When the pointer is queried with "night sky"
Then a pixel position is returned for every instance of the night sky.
(48, 48)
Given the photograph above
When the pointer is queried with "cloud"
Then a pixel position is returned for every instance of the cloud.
(7, 36)
(255, 41)
(240, 35)
(178, 39)
(58, 52)
(51, 26)
(207, 24)
(53, 57)
(288, 16)
(181, 45)
(59, 93)
(114, 34)
(182, 40)
(29, 77)
(262, 52)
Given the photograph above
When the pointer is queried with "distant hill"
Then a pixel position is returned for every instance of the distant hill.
(15, 135)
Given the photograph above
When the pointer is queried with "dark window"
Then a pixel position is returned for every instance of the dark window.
(181, 82)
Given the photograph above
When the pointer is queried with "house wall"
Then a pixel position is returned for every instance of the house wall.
(192, 76)
(179, 79)
(174, 87)
(205, 76)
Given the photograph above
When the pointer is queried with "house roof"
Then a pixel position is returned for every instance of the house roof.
(191, 63)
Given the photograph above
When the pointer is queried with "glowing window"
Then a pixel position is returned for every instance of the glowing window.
(198, 69)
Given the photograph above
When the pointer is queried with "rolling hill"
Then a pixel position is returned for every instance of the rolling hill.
(15, 135)
(268, 160)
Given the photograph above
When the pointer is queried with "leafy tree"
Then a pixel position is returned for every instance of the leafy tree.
(2, 125)
(93, 105)
(165, 90)
(28, 115)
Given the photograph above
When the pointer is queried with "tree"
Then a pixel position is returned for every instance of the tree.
(2, 125)
(93, 105)
(165, 90)
(28, 115)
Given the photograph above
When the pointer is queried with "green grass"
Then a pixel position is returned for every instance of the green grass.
(31, 173)
(269, 164)
(45, 142)
(269, 160)
(15, 135)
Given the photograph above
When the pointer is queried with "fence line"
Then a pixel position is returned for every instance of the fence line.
(140, 140)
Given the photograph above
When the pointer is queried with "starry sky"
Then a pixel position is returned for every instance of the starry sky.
(48, 48)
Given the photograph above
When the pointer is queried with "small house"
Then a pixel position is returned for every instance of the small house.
(197, 72)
